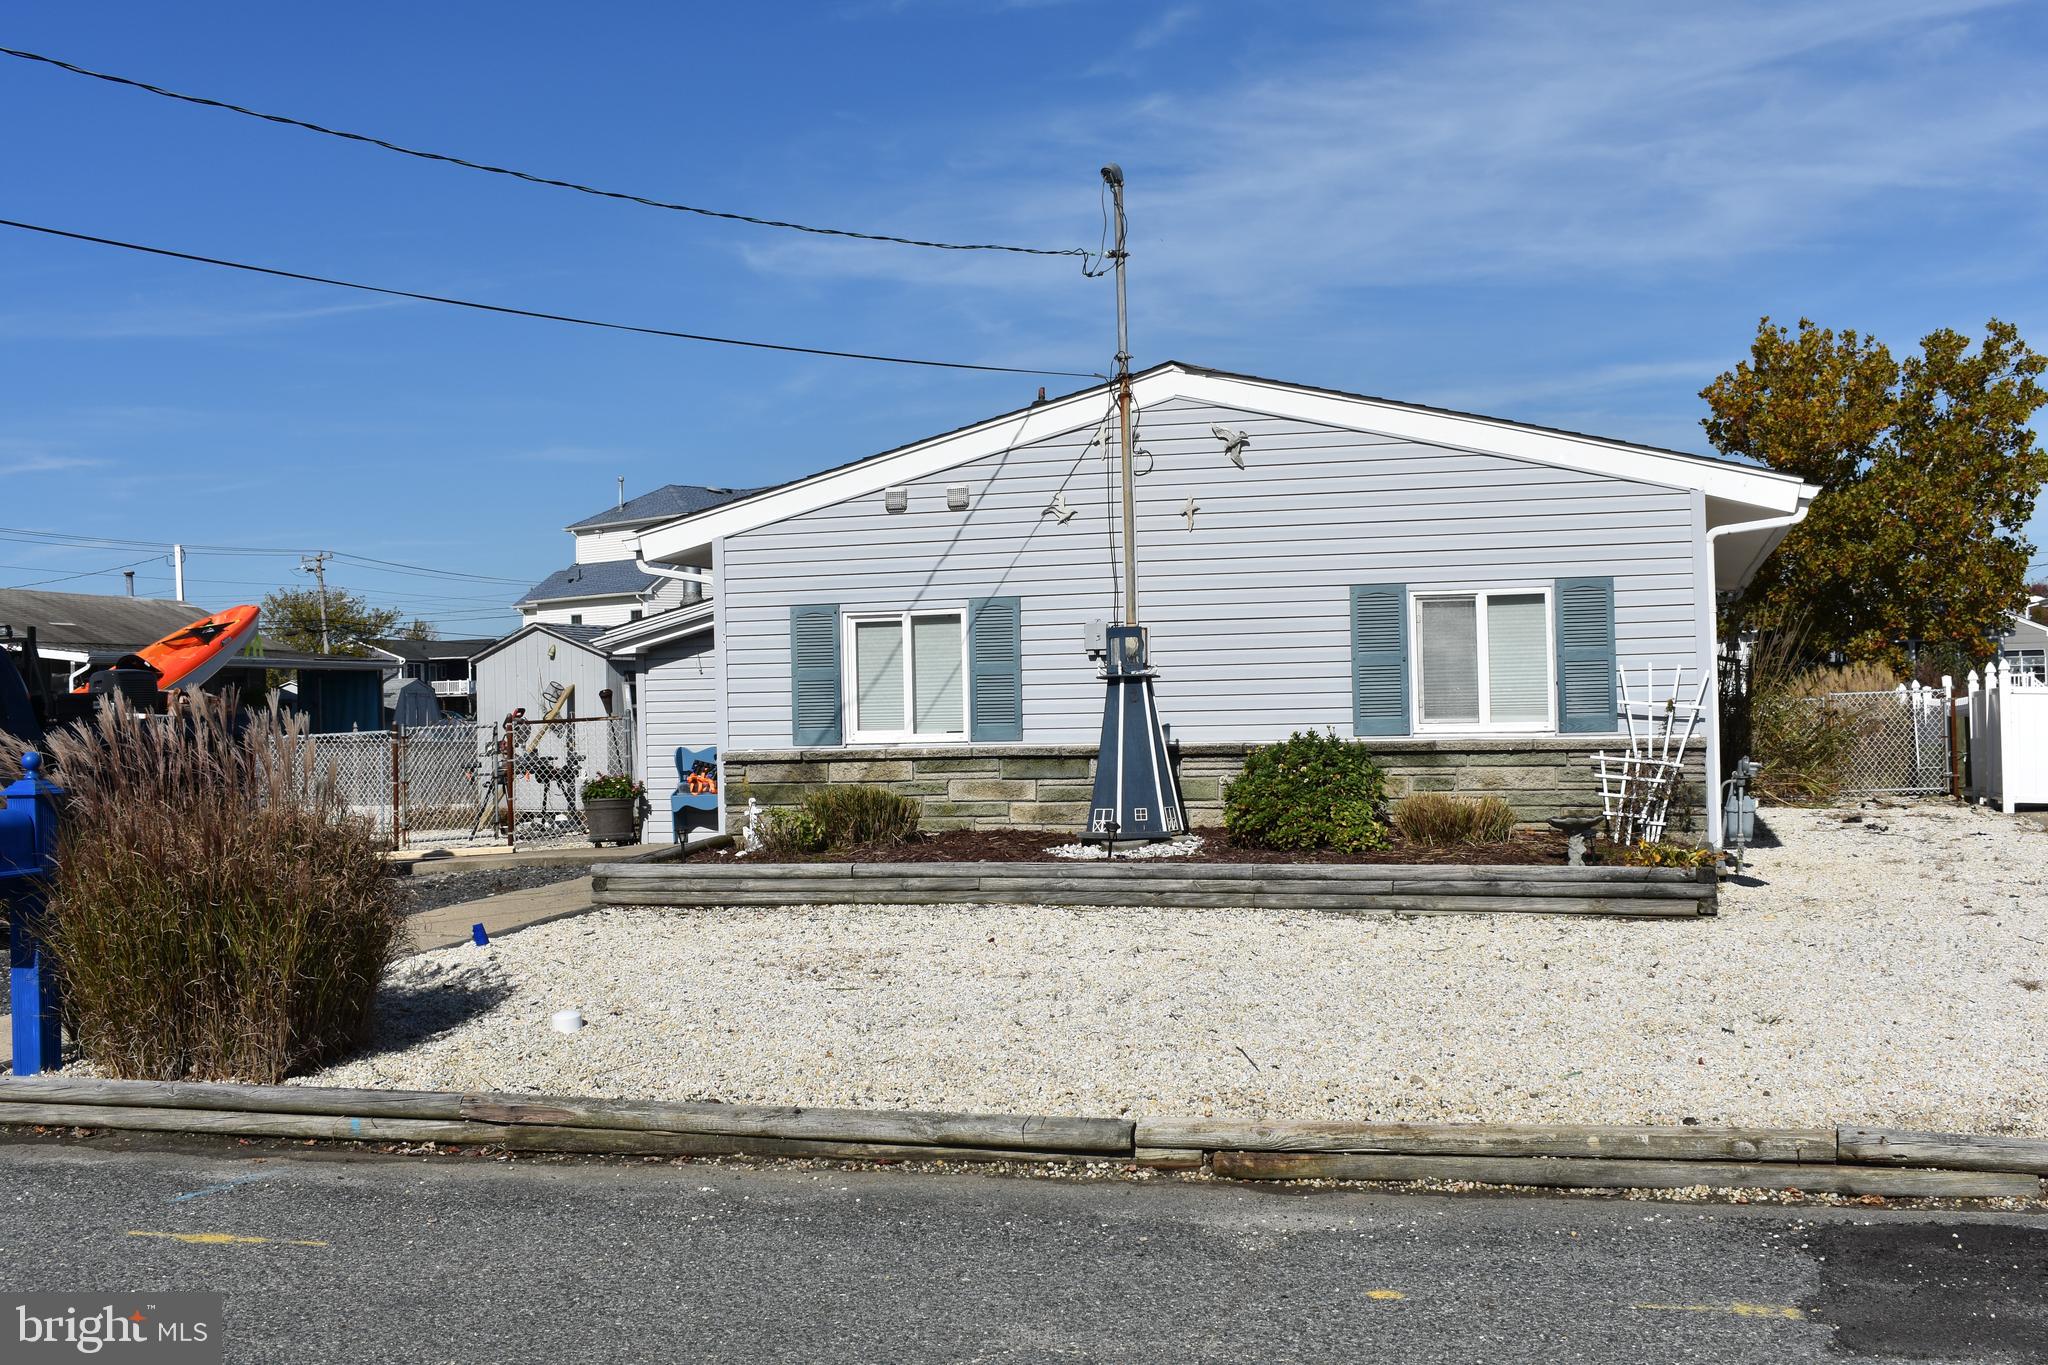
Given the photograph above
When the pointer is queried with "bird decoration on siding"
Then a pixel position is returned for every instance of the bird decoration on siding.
(1189, 512)
(1234, 443)
(1058, 509)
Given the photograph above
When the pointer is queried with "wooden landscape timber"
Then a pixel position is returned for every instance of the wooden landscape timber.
(1812, 1145)
(889, 1127)
(1846, 1160)
(1338, 888)
(1955, 1151)
(1591, 1173)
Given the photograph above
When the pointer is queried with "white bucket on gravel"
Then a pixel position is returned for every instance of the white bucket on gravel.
(566, 1021)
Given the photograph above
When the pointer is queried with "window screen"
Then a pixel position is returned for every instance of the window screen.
(1518, 657)
(937, 675)
(878, 675)
(1450, 659)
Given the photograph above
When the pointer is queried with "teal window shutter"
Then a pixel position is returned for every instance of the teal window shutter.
(1585, 657)
(995, 669)
(814, 675)
(1379, 659)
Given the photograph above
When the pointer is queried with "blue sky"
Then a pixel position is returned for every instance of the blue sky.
(1568, 213)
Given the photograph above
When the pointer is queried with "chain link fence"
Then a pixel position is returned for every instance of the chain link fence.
(548, 761)
(472, 783)
(1899, 741)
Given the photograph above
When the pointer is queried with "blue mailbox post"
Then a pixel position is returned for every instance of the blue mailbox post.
(28, 851)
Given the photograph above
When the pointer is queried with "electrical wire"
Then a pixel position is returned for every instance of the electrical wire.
(87, 573)
(533, 179)
(531, 313)
(59, 538)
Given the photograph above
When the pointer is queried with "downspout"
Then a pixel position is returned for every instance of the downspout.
(1713, 660)
(701, 577)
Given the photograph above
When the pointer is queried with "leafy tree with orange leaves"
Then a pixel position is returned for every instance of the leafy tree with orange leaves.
(1929, 474)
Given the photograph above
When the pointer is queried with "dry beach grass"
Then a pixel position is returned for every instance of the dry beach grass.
(1878, 973)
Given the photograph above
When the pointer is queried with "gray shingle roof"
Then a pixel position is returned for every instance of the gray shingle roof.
(94, 621)
(419, 651)
(662, 504)
(613, 578)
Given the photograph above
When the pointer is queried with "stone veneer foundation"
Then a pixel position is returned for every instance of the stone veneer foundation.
(998, 786)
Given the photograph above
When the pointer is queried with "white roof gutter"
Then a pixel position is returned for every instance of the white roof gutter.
(1709, 664)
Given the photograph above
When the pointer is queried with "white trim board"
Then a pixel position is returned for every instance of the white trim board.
(650, 632)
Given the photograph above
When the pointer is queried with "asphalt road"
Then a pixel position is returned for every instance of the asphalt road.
(361, 1258)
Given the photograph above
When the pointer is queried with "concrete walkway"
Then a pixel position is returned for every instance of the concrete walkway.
(447, 925)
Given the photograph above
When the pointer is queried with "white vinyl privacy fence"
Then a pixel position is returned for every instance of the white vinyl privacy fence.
(2007, 713)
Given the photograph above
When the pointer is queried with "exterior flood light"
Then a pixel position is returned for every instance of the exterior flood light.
(896, 499)
(956, 497)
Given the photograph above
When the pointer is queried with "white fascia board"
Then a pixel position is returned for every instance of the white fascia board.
(1759, 488)
(674, 539)
(648, 632)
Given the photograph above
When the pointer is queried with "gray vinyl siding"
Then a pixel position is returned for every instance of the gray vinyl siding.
(678, 709)
(515, 676)
(1250, 611)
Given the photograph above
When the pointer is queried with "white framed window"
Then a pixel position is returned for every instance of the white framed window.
(1484, 660)
(905, 676)
(2033, 662)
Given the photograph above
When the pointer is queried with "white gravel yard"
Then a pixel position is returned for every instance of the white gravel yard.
(1891, 968)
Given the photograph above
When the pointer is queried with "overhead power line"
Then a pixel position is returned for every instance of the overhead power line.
(545, 317)
(533, 179)
(61, 538)
(87, 573)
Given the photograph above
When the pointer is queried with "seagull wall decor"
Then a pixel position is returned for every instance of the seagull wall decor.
(1234, 443)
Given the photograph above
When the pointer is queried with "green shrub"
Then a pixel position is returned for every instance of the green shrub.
(1437, 820)
(1309, 791)
(1663, 855)
(607, 786)
(861, 817)
(217, 913)
(786, 832)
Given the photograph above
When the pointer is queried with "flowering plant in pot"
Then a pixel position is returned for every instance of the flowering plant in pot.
(613, 806)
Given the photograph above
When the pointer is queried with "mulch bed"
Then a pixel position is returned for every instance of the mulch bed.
(1029, 846)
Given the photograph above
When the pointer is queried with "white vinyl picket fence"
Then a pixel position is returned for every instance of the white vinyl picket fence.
(2008, 725)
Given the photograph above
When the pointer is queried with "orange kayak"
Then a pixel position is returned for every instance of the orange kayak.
(189, 655)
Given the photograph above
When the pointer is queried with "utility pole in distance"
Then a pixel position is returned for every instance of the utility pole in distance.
(316, 565)
(1113, 176)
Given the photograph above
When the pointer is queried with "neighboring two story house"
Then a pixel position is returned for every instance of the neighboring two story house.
(558, 645)
(441, 664)
(604, 584)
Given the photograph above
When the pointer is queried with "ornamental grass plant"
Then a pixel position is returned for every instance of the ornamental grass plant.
(217, 913)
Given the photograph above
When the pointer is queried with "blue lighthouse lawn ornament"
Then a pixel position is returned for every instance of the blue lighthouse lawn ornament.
(1136, 795)
(28, 854)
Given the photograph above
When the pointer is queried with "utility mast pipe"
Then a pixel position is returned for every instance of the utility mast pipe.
(1113, 175)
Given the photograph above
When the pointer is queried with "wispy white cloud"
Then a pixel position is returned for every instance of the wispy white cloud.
(1501, 143)
(157, 320)
(31, 455)
(1574, 384)
(1163, 26)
